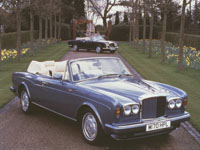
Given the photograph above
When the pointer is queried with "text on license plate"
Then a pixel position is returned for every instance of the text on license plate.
(158, 125)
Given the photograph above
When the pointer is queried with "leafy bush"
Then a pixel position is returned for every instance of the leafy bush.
(189, 39)
(9, 40)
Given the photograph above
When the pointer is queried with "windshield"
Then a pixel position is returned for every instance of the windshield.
(97, 38)
(98, 67)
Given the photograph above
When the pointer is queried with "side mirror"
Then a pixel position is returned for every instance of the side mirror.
(57, 76)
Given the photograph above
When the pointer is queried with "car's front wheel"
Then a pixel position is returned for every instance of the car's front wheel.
(26, 105)
(98, 49)
(91, 128)
(75, 47)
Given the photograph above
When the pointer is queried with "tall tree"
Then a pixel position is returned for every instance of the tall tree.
(117, 18)
(151, 8)
(181, 35)
(144, 26)
(125, 18)
(32, 7)
(164, 27)
(102, 8)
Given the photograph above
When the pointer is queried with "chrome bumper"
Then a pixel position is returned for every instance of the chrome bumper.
(139, 130)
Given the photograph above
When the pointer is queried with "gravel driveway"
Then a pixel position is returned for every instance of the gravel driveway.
(43, 130)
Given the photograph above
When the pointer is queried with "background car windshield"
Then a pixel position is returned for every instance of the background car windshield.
(93, 68)
(98, 38)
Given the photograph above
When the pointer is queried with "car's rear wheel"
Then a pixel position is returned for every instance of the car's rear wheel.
(75, 47)
(98, 49)
(112, 52)
(91, 128)
(26, 105)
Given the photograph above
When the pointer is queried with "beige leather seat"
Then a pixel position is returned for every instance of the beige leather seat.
(37, 68)
(60, 67)
(50, 66)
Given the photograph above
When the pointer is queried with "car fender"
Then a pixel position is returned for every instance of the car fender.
(95, 111)
(26, 87)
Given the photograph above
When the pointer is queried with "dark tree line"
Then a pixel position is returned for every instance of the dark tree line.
(45, 16)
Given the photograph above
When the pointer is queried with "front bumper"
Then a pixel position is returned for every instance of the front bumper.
(136, 131)
(12, 89)
(110, 48)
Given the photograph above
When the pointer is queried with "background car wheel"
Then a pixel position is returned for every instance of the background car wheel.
(98, 49)
(26, 105)
(75, 48)
(90, 127)
(112, 52)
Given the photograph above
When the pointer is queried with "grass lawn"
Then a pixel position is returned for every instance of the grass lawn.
(54, 52)
(151, 69)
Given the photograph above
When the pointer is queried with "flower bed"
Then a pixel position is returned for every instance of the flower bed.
(11, 54)
(191, 56)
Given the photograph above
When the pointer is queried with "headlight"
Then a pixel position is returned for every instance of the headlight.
(171, 104)
(107, 44)
(127, 110)
(178, 103)
(135, 109)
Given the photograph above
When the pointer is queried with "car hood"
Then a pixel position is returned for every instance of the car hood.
(132, 89)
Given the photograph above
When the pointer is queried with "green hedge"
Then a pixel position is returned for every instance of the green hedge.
(9, 40)
(121, 32)
(65, 31)
(189, 39)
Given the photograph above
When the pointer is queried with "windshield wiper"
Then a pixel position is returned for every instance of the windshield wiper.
(127, 75)
(107, 75)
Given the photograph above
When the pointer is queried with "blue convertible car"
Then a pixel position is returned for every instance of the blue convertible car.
(103, 96)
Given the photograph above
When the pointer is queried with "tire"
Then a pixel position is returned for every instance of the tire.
(25, 102)
(91, 129)
(98, 49)
(112, 52)
(75, 47)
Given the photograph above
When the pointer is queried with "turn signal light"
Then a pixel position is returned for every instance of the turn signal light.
(118, 111)
(185, 102)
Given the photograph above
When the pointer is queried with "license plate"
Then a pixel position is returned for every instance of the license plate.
(112, 48)
(158, 125)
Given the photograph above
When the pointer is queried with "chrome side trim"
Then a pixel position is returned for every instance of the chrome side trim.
(186, 115)
(54, 111)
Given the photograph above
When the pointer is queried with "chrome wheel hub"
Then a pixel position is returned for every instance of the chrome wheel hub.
(89, 126)
(75, 47)
(98, 49)
(25, 101)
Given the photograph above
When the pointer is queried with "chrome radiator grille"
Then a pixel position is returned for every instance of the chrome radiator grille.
(153, 107)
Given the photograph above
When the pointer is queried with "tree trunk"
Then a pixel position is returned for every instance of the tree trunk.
(18, 17)
(31, 32)
(51, 28)
(55, 26)
(164, 26)
(0, 50)
(130, 31)
(151, 29)
(40, 32)
(59, 27)
(137, 23)
(144, 29)
(46, 30)
(133, 26)
(105, 24)
(181, 37)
